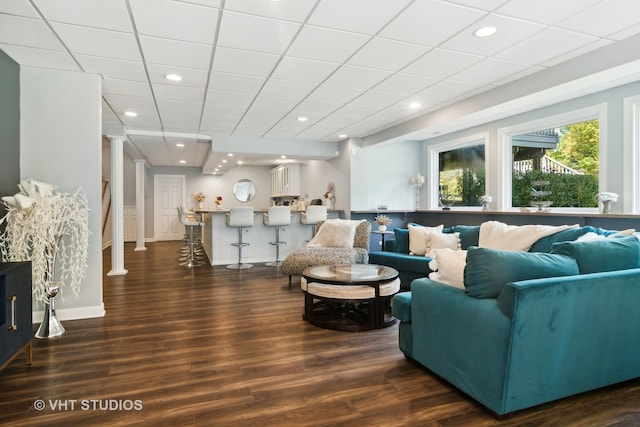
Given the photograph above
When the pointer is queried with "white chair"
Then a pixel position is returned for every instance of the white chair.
(277, 216)
(192, 238)
(241, 218)
(313, 215)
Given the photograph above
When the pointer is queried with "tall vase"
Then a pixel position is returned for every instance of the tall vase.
(50, 326)
(606, 206)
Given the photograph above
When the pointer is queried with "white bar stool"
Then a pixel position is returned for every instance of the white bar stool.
(242, 218)
(277, 216)
(192, 239)
(313, 215)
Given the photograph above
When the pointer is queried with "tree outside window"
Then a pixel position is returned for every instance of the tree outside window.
(462, 175)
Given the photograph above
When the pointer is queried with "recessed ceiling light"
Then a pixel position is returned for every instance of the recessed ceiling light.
(173, 77)
(219, 166)
(224, 161)
(239, 162)
(131, 114)
(230, 154)
(183, 161)
(179, 144)
(283, 157)
(415, 105)
(342, 135)
(485, 31)
(302, 119)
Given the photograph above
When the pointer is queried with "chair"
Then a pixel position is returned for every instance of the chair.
(192, 238)
(241, 218)
(299, 259)
(277, 217)
(313, 215)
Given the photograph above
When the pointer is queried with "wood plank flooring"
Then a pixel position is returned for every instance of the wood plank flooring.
(218, 347)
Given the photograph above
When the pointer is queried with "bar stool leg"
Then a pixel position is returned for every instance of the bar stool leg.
(277, 243)
(240, 265)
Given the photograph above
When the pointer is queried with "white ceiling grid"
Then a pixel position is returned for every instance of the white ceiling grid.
(251, 68)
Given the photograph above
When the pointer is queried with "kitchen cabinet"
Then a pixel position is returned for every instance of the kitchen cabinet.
(16, 324)
(285, 180)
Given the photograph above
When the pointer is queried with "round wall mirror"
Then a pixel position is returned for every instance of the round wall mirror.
(244, 190)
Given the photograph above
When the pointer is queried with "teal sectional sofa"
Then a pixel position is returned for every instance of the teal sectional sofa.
(529, 328)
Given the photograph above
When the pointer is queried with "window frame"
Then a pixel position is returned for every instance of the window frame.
(631, 150)
(505, 150)
(433, 155)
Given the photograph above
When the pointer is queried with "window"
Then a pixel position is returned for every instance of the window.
(461, 176)
(556, 167)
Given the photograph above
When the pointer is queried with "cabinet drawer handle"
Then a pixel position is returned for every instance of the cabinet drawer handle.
(13, 326)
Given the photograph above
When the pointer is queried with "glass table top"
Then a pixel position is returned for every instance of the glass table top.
(350, 273)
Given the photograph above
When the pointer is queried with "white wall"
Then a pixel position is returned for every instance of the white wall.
(60, 142)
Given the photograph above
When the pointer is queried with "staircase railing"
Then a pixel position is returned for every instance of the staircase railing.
(547, 164)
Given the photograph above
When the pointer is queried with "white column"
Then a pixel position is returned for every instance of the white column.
(117, 207)
(140, 163)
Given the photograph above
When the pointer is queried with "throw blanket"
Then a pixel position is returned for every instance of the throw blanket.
(497, 235)
(335, 233)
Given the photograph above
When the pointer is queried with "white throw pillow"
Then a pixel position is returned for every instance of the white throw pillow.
(443, 241)
(335, 233)
(450, 265)
(418, 235)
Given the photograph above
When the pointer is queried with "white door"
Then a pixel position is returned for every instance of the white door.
(168, 194)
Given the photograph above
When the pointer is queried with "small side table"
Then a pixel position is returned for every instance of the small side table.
(382, 234)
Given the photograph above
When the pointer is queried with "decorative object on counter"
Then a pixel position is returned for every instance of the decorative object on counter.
(606, 198)
(330, 195)
(416, 182)
(538, 193)
(446, 201)
(382, 221)
(218, 202)
(485, 200)
(50, 229)
(200, 199)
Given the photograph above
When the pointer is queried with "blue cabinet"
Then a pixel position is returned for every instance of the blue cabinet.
(16, 323)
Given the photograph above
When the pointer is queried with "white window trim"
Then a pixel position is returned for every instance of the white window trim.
(631, 151)
(504, 191)
(433, 153)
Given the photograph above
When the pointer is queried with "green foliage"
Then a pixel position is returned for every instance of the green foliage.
(578, 146)
(566, 190)
(470, 186)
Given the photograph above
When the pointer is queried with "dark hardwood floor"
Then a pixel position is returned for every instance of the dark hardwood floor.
(219, 347)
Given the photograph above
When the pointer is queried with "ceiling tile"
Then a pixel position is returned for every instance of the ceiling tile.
(627, 32)
(296, 11)
(276, 102)
(545, 45)
(122, 103)
(190, 77)
(442, 20)
(27, 32)
(347, 15)
(510, 31)
(271, 114)
(330, 93)
(357, 77)
(377, 99)
(447, 89)
(170, 105)
(176, 53)
(125, 87)
(235, 82)
(305, 70)
(113, 68)
(18, 7)
(97, 42)
(404, 84)
(166, 19)
(265, 34)
(190, 94)
(110, 15)
(244, 61)
(479, 4)
(213, 111)
(147, 120)
(287, 88)
(397, 54)
(356, 111)
(223, 97)
(539, 10)
(40, 58)
(325, 44)
(317, 107)
(441, 63)
(179, 120)
(488, 71)
(604, 18)
(576, 52)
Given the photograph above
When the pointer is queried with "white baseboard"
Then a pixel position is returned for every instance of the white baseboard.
(73, 313)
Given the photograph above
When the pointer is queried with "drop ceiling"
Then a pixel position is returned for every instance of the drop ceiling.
(251, 68)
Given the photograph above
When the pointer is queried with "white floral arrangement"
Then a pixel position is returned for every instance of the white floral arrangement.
(485, 199)
(382, 220)
(50, 229)
(417, 180)
(607, 197)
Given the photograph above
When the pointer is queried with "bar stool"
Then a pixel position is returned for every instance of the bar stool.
(242, 218)
(192, 239)
(277, 217)
(313, 215)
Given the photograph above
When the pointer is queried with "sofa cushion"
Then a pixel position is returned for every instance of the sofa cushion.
(401, 262)
(448, 266)
(442, 241)
(335, 233)
(544, 244)
(469, 234)
(593, 256)
(402, 240)
(418, 235)
(488, 270)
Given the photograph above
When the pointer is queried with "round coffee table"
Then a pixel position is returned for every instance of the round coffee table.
(349, 297)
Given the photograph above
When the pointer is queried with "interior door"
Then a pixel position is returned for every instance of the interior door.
(168, 194)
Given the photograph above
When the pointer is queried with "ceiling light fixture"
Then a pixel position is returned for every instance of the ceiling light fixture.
(180, 145)
(224, 161)
(342, 135)
(131, 114)
(230, 154)
(302, 119)
(219, 166)
(415, 105)
(183, 161)
(239, 162)
(485, 31)
(283, 157)
(173, 77)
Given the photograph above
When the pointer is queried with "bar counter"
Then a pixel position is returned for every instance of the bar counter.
(217, 237)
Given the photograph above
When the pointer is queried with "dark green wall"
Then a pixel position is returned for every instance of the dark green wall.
(9, 126)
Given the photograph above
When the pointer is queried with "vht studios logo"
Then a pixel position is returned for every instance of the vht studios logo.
(88, 405)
